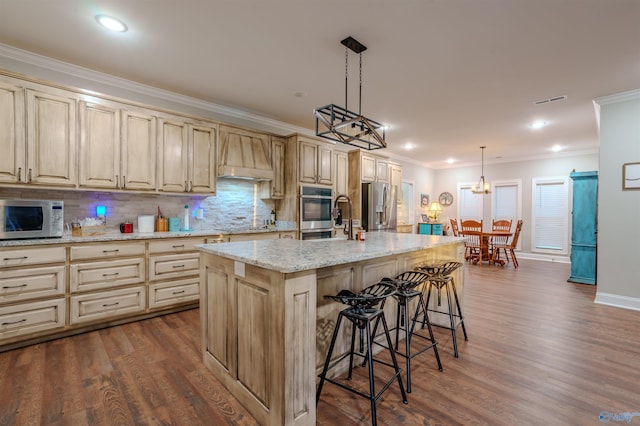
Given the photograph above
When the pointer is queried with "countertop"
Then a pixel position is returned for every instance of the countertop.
(116, 235)
(289, 256)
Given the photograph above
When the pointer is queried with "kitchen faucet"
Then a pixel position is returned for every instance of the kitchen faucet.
(349, 232)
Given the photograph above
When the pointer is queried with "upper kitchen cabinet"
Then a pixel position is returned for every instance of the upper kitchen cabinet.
(117, 147)
(395, 178)
(274, 189)
(342, 173)
(51, 137)
(12, 125)
(316, 162)
(244, 154)
(187, 156)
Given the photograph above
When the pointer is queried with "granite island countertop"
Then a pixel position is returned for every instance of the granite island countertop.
(116, 235)
(289, 256)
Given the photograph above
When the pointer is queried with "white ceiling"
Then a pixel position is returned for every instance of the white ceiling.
(447, 75)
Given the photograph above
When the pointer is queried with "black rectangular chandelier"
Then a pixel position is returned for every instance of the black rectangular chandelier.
(342, 125)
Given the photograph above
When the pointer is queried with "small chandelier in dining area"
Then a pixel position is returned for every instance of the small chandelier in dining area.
(342, 125)
(482, 187)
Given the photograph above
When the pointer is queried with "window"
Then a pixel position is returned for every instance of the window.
(469, 204)
(507, 201)
(550, 215)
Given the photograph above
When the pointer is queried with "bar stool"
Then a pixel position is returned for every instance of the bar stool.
(406, 284)
(439, 277)
(363, 309)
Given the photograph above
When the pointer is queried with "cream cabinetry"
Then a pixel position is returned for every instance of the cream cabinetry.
(117, 147)
(174, 267)
(32, 292)
(46, 153)
(106, 281)
(395, 178)
(373, 168)
(51, 137)
(12, 126)
(342, 173)
(315, 162)
(105, 305)
(187, 156)
(274, 189)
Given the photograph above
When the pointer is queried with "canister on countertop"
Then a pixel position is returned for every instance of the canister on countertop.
(162, 224)
(146, 223)
(174, 224)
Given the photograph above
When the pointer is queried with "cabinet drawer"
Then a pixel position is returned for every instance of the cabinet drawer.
(173, 266)
(31, 283)
(27, 318)
(100, 251)
(218, 239)
(174, 246)
(107, 304)
(174, 292)
(23, 257)
(102, 275)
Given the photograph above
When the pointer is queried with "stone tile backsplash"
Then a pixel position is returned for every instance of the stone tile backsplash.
(235, 207)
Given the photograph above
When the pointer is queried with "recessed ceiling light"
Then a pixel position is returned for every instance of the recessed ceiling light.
(111, 23)
(556, 148)
(451, 161)
(539, 124)
(409, 146)
(299, 94)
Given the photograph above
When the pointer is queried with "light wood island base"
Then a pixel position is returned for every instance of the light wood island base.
(265, 324)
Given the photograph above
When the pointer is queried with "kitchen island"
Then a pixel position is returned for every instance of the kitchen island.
(265, 323)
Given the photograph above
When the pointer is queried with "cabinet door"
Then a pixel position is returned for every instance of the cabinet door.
(342, 173)
(138, 164)
(202, 159)
(173, 156)
(395, 176)
(325, 165)
(12, 162)
(308, 162)
(277, 162)
(51, 139)
(368, 169)
(382, 171)
(99, 145)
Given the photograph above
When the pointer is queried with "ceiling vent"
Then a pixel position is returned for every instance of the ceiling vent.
(550, 100)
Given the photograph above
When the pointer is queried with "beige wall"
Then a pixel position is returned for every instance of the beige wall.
(618, 234)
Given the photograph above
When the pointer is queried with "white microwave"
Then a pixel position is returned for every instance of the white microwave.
(21, 219)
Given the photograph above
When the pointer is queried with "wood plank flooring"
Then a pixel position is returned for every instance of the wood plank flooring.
(540, 352)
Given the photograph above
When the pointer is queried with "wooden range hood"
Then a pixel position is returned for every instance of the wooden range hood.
(244, 155)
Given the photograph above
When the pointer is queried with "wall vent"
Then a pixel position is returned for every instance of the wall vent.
(549, 100)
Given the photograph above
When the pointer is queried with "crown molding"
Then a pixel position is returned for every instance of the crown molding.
(618, 97)
(45, 62)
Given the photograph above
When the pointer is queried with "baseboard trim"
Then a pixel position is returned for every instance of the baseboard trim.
(543, 257)
(618, 301)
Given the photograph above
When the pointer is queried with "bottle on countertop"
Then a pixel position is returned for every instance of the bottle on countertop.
(273, 217)
(186, 217)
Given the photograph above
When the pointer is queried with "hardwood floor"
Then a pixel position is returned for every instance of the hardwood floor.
(540, 352)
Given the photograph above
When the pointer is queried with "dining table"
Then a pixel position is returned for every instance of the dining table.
(486, 249)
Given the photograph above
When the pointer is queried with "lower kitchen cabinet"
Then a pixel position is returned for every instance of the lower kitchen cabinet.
(30, 318)
(107, 305)
(57, 290)
(170, 293)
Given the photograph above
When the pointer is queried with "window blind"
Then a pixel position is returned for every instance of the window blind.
(550, 215)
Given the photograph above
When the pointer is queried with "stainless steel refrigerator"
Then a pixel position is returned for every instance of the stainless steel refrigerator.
(379, 208)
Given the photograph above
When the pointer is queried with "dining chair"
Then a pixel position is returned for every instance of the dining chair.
(454, 227)
(509, 249)
(499, 240)
(472, 230)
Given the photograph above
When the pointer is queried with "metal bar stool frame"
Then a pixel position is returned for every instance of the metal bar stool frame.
(406, 284)
(363, 309)
(439, 277)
